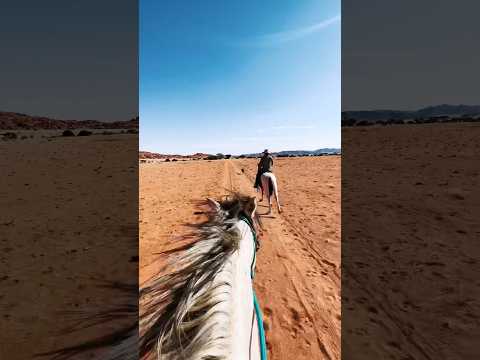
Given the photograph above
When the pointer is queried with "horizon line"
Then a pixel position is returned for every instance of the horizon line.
(244, 153)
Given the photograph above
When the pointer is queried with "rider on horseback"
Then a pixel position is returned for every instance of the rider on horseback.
(266, 181)
(265, 165)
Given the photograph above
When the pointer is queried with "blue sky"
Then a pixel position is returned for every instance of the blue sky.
(239, 76)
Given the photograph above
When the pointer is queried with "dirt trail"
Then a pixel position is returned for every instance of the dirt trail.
(298, 266)
(296, 284)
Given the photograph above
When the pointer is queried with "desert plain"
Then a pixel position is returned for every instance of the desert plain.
(68, 224)
(410, 237)
(409, 252)
(298, 265)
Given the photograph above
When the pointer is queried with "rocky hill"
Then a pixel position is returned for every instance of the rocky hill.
(288, 153)
(431, 114)
(18, 121)
(151, 155)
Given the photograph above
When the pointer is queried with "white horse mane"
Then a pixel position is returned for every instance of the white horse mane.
(186, 314)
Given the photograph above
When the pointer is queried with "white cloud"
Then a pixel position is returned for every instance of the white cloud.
(290, 35)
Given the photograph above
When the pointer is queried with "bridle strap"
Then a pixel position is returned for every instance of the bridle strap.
(257, 310)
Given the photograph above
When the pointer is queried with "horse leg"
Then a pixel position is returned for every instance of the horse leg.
(275, 192)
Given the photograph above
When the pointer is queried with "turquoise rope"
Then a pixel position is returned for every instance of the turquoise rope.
(258, 312)
(261, 332)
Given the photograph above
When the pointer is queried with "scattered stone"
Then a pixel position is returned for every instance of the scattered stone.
(68, 133)
(84, 133)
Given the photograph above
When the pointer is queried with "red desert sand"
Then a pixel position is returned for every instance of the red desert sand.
(66, 227)
(410, 232)
(298, 266)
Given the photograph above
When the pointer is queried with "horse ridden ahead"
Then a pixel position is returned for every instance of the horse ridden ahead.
(266, 180)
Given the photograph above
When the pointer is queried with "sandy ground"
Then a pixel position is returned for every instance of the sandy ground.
(410, 232)
(69, 215)
(298, 266)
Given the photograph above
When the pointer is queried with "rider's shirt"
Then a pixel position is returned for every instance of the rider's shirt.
(266, 163)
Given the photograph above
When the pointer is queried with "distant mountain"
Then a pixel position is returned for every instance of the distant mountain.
(18, 121)
(438, 113)
(323, 151)
(377, 115)
(449, 110)
(150, 155)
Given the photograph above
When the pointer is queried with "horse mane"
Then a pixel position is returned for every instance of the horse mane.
(178, 310)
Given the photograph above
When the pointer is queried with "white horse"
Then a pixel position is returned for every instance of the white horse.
(269, 186)
(204, 306)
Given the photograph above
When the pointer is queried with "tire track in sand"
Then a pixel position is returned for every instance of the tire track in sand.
(295, 309)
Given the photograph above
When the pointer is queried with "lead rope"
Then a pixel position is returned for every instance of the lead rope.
(256, 305)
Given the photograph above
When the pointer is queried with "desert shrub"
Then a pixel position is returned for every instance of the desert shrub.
(228, 156)
(167, 160)
(348, 122)
(174, 160)
(24, 137)
(212, 157)
(9, 136)
(84, 133)
(363, 123)
(68, 133)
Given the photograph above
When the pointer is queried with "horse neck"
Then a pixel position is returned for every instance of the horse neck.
(239, 301)
(215, 303)
(242, 295)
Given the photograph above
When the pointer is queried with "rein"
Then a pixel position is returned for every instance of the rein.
(255, 242)
(258, 312)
